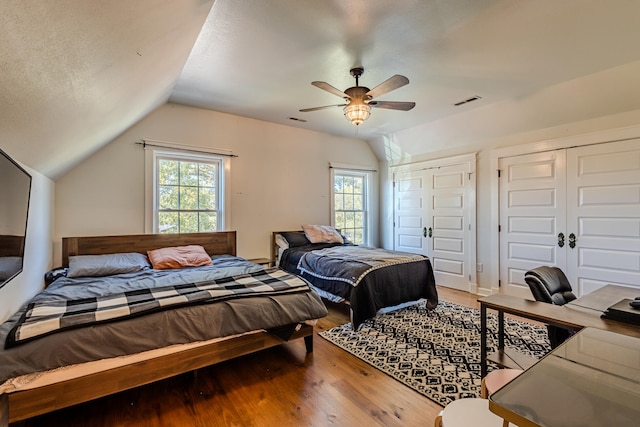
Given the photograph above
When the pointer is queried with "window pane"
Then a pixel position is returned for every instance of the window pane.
(207, 198)
(357, 203)
(188, 222)
(188, 173)
(168, 197)
(348, 184)
(358, 185)
(207, 175)
(338, 184)
(188, 198)
(208, 221)
(338, 202)
(168, 222)
(348, 202)
(167, 172)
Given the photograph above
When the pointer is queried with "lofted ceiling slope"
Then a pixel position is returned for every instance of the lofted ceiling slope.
(75, 74)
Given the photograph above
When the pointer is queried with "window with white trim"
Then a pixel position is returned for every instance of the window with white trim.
(350, 204)
(188, 192)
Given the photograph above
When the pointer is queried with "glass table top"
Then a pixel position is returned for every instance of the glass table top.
(592, 379)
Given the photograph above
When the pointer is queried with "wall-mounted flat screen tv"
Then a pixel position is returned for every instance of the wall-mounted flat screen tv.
(15, 189)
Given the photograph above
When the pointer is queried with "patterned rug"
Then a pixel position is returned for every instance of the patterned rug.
(437, 352)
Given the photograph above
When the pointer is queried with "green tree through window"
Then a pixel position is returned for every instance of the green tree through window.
(349, 194)
(188, 195)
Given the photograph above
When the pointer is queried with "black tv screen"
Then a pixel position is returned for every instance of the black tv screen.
(15, 190)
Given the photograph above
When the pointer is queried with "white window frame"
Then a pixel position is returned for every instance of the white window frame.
(367, 175)
(151, 184)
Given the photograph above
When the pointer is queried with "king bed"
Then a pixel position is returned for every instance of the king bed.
(123, 314)
(366, 278)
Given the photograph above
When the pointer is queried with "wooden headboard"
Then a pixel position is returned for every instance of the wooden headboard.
(215, 243)
(274, 246)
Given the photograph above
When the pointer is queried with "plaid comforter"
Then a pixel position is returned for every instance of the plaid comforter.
(43, 318)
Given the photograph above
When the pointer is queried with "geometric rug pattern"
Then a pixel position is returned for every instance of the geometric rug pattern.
(435, 352)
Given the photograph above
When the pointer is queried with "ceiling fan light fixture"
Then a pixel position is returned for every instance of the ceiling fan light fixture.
(357, 112)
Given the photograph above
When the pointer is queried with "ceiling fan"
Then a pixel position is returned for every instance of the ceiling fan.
(360, 99)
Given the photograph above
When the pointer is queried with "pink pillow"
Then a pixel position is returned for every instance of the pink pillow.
(322, 234)
(179, 257)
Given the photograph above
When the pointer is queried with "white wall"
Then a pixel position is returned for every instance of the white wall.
(599, 102)
(279, 180)
(38, 249)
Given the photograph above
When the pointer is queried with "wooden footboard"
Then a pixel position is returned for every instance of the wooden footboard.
(23, 404)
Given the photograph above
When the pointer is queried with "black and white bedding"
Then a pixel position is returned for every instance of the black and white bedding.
(368, 278)
(254, 299)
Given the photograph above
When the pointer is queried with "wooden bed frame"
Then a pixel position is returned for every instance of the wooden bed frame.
(22, 404)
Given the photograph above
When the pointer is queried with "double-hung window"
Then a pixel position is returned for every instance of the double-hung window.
(188, 192)
(350, 204)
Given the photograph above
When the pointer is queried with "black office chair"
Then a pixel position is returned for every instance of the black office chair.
(550, 285)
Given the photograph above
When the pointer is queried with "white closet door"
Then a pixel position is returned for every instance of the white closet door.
(603, 212)
(532, 217)
(449, 225)
(410, 198)
(432, 217)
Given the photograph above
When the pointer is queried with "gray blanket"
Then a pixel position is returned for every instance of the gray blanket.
(44, 317)
(351, 263)
(157, 329)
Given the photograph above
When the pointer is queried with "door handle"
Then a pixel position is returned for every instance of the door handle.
(560, 239)
(424, 232)
(430, 232)
(572, 240)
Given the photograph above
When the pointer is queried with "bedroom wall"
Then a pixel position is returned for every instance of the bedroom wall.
(599, 102)
(38, 249)
(279, 180)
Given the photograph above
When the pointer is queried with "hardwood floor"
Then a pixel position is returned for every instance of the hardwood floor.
(282, 386)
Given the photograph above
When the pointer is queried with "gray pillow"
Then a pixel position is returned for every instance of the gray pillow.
(106, 265)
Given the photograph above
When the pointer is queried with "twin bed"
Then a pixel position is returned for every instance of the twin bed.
(194, 317)
(113, 322)
(368, 279)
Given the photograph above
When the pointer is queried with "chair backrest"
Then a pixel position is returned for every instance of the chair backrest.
(550, 285)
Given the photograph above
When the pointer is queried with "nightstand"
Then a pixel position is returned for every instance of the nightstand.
(262, 261)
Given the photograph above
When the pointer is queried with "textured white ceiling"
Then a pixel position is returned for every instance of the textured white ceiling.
(74, 73)
(257, 58)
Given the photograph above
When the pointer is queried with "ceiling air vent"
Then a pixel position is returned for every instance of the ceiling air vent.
(473, 98)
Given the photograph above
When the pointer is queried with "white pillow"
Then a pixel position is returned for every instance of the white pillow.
(322, 234)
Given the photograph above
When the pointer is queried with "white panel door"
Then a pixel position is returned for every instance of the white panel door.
(410, 196)
(432, 218)
(532, 216)
(603, 213)
(449, 225)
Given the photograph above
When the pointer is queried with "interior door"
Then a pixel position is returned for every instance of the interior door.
(410, 195)
(532, 217)
(432, 218)
(603, 215)
(449, 225)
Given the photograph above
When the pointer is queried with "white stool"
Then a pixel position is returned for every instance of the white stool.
(468, 412)
(495, 380)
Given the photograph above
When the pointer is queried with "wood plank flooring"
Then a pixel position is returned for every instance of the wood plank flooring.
(278, 387)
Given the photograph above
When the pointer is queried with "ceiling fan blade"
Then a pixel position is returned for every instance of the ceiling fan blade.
(306, 110)
(392, 83)
(330, 89)
(393, 105)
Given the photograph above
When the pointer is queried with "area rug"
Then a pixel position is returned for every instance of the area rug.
(435, 352)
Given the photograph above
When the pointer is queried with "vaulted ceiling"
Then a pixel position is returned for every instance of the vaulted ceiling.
(74, 74)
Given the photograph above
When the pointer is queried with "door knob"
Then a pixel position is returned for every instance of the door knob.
(560, 239)
(572, 240)
(430, 232)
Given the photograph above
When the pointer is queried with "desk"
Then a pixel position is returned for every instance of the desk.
(582, 312)
(592, 379)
